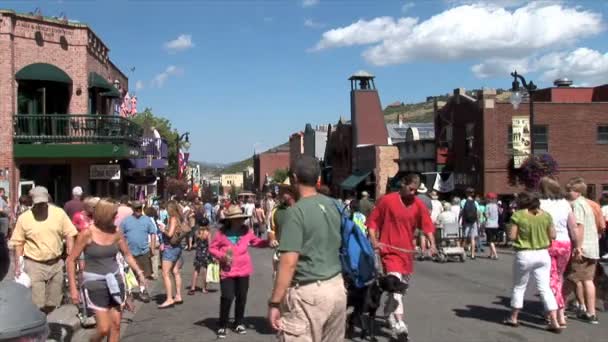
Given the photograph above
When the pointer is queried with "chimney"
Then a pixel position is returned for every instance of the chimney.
(562, 82)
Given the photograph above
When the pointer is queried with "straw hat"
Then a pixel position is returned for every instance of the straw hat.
(422, 189)
(234, 212)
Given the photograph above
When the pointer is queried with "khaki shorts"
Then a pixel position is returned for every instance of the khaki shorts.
(47, 282)
(314, 312)
(144, 262)
(582, 270)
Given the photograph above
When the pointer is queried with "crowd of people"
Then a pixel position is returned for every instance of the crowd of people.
(556, 234)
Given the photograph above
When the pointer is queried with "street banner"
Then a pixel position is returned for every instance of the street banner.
(521, 140)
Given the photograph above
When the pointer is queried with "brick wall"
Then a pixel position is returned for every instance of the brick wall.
(386, 167)
(269, 162)
(296, 148)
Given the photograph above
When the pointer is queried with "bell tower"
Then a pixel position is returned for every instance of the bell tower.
(366, 113)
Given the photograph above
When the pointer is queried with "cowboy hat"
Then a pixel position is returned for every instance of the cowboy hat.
(422, 189)
(234, 212)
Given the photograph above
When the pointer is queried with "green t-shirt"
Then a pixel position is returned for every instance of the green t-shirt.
(532, 230)
(312, 229)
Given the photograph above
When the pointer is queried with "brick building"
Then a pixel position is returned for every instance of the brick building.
(58, 88)
(266, 163)
(358, 156)
(571, 124)
(417, 154)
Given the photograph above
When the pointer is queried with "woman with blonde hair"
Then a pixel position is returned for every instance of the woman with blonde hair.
(104, 287)
(172, 256)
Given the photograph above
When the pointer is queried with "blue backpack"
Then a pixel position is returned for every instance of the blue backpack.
(356, 253)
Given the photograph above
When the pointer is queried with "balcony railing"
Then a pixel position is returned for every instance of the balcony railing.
(75, 128)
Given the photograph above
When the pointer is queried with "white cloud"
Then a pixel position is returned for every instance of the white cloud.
(467, 32)
(139, 85)
(311, 23)
(310, 3)
(407, 6)
(181, 43)
(366, 32)
(160, 79)
(583, 65)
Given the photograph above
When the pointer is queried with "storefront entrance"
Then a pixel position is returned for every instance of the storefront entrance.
(56, 178)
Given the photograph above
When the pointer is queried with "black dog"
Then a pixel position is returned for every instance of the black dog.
(366, 300)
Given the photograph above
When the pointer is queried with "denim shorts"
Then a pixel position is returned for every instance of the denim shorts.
(471, 230)
(172, 253)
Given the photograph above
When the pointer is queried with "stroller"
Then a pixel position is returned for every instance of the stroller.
(447, 246)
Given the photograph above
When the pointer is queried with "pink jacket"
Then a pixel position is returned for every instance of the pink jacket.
(241, 260)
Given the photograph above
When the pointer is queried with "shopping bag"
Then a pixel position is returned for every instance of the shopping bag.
(23, 278)
(213, 273)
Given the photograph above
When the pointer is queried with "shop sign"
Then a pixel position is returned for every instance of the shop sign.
(104, 172)
(521, 140)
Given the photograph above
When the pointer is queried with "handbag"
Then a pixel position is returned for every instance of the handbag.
(213, 273)
(182, 230)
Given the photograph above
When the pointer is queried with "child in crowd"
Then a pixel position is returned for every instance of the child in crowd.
(202, 258)
(230, 246)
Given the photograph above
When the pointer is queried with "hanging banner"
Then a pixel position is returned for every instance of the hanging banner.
(521, 140)
(444, 185)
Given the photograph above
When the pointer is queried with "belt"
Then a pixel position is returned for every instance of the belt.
(296, 283)
(45, 262)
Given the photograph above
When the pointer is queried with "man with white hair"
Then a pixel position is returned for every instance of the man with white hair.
(74, 205)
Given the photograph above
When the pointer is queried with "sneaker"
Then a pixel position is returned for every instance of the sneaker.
(221, 333)
(401, 328)
(605, 256)
(240, 329)
(591, 319)
(144, 296)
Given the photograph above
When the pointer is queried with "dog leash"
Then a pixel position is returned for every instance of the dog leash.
(408, 251)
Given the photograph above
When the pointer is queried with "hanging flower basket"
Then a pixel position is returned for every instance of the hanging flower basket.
(536, 167)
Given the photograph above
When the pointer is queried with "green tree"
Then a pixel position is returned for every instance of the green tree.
(280, 175)
(147, 120)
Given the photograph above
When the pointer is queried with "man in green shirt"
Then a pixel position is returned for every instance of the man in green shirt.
(309, 299)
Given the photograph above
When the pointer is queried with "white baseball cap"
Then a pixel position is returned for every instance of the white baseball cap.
(77, 191)
(39, 195)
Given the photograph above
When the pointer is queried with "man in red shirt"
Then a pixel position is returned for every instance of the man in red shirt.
(391, 226)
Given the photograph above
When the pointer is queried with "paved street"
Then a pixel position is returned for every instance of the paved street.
(447, 302)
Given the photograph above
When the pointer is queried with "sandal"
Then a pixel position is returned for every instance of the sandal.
(191, 292)
(205, 290)
(166, 306)
(555, 330)
(510, 323)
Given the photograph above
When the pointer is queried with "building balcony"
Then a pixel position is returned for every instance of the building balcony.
(75, 136)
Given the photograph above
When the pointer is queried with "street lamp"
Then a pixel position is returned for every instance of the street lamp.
(186, 145)
(516, 99)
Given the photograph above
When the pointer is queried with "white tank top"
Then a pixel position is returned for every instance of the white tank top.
(559, 211)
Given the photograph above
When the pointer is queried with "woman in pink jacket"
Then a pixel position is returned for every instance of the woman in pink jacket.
(230, 246)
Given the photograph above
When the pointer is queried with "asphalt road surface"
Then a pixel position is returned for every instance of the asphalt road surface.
(446, 302)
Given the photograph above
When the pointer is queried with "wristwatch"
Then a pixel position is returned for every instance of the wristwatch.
(274, 305)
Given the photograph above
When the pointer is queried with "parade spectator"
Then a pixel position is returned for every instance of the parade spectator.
(491, 214)
(604, 244)
(39, 238)
(74, 205)
(469, 218)
(259, 220)
(230, 245)
(308, 302)
(25, 204)
(124, 210)
(554, 203)
(172, 256)
(287, 199)
(4, 214)
(83, 219)
(436, 206)
(532, 232)
(357, 216)
(394, 220)
(365, 204)
(104, 288)
(583, 265)
(209, 212)
(423, 195)
(202, 257)
(152, 214)
(447, 216)
(140, 233)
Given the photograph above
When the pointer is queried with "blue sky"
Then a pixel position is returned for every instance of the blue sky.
(243, 74)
